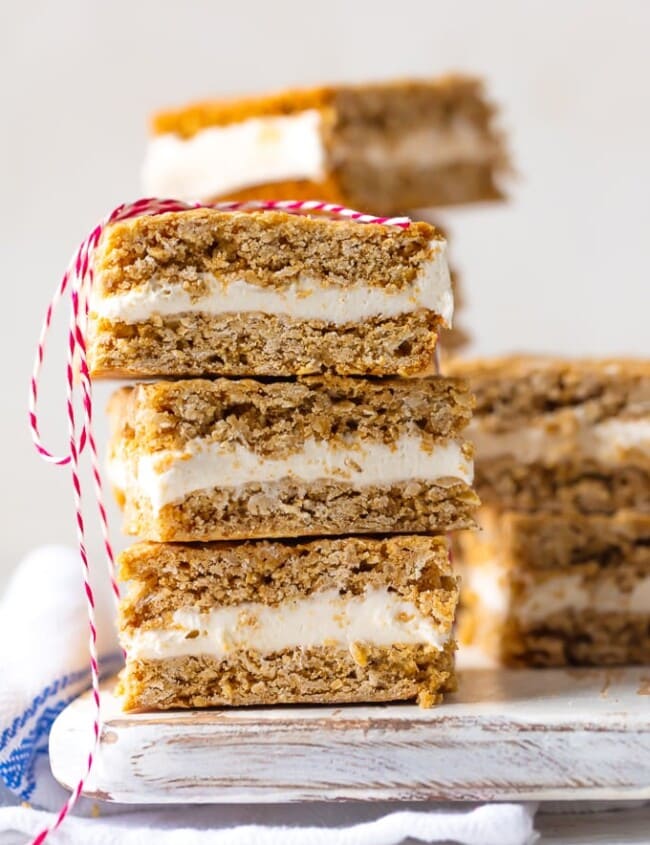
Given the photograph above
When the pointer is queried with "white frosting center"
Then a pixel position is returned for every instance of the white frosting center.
(537, 599)
(169, 476)
(378, 617)
(607, 442)
(222, 159)
(427, 146)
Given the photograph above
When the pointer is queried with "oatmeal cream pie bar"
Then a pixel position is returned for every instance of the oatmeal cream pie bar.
(348, 619)
(553, 434)
(204, 292)
(223, 459)
(382, 147)
(552, 590)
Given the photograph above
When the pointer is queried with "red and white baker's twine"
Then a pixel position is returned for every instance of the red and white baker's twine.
(77, 281)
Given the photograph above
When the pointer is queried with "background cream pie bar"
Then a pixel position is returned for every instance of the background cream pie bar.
(204, 292)
(555, 434)
(551, 590)
(223, 459)
(330, 620)
(382, 147)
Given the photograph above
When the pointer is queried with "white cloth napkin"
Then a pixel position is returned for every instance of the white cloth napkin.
(43, 665)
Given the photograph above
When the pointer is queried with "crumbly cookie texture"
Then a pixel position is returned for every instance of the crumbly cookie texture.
(275, 418)
(275, 421)
(264, 345)
(266, 248)
(390, 190)
(539, 541)
(563, 639)
(357, 118)
(294, 509)
(325, 675)
(514, 389)
(555, 590)
(574, 485)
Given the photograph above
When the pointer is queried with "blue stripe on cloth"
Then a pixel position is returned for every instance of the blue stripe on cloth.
(17, 766)
(52, 689)
(17, 771)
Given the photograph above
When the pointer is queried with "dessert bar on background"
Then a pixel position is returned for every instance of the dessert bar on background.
(204, 292)
(329, 620)
(554, 434)
(210, 460)
(549, 590)
(560, 572)
(383, 147)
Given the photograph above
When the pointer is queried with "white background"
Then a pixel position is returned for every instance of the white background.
(563, 267)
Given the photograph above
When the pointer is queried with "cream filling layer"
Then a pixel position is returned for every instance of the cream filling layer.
(428, 146)
(535, 599)
(379, 617)
(305, 298)
(168, 476)
(565, 437)
(222, 159)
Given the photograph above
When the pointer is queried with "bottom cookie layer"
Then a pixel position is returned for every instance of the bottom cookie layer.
(585, 638)
(389, 190)
(289, 508)
(197, 344)
(581, 486)
(323, 675)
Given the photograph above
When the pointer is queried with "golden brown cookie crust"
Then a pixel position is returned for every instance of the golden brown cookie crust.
(262, 345)
(350, 99)
(275, 418)
(266, 248)
(325, 675)
(294, 509)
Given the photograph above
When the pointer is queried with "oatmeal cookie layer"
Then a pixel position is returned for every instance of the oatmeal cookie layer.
(264, 345)
(452, 184)
(293, 509)
(275, 418)
(510, 391)
(165, 577)
(270, 248)
(324, 675)
(587, 638)
(355, 105)
(581, 486)
(540, 541)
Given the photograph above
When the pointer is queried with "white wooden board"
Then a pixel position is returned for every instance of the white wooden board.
(507, 735)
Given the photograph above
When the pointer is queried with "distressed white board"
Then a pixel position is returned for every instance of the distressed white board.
(508, 734)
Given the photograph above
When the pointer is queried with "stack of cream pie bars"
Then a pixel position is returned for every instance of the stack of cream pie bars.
(560, 573)
(561, 570)
(293, 472)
